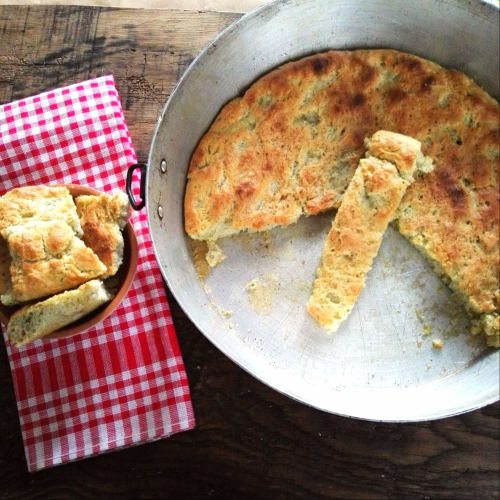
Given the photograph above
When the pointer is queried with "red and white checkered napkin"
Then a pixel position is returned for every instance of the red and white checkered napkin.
(122, 382)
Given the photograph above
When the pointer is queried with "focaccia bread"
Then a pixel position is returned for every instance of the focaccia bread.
(36, 320)
(367, 207)
(48, 258)
(37, 203)
(290, 145)
(102, 219)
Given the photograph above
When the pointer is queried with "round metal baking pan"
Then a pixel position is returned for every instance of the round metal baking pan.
(379, 365)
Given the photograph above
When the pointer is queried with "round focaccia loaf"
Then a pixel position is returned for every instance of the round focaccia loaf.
(291, 144)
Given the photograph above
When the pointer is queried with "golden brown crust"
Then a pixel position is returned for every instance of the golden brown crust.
(101, 218)
(367, 207)
(401, 150)
(290, 146)
(37, 203)
(48, 258)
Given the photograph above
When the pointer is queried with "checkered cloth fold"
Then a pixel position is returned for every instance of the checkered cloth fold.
(122, 382)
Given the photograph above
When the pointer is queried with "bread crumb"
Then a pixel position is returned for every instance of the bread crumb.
(437, 343)
(427, 366)
(427, 330)
(226, 313)
(419, 343)
(214, 255)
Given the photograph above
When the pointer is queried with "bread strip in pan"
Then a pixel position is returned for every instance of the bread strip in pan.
(368, 205)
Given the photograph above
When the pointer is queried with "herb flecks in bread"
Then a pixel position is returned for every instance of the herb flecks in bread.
(35, 321)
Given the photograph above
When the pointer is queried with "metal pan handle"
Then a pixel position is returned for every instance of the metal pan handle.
(142, 188)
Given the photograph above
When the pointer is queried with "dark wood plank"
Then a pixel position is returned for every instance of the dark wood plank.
(250, 442)
(147, 52)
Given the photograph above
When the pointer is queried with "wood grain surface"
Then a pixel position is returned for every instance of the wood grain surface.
(250, 442)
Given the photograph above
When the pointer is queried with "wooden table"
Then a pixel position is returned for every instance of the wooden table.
(250, 442)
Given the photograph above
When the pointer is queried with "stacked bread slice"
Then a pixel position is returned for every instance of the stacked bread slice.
(43, 254)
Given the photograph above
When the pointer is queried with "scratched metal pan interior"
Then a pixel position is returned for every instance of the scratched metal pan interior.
(374, 366)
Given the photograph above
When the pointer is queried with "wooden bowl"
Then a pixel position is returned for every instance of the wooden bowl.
(124, 277)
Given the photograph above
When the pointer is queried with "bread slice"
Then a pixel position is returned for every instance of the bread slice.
(37, 203)
(102, 219)
(36, 320)
(47, 258)
(368, 205)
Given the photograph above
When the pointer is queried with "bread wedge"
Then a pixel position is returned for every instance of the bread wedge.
(37, 203)
(35, 321)
(47, 258)
(102, 219)
(368, 205)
